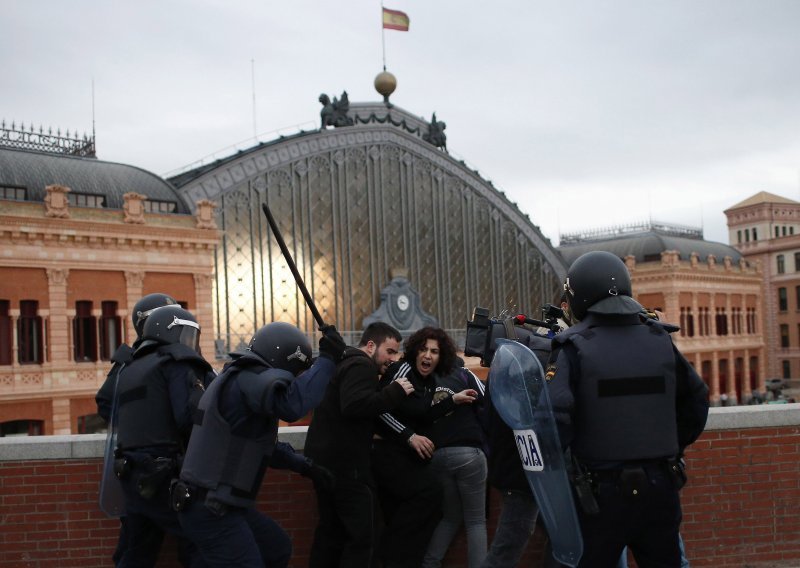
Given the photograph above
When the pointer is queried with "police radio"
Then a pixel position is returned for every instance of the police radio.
(483, 331)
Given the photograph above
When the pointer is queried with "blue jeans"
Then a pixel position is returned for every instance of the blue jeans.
(623, 560)
(244, 538)
(514, 528)
(462, 472)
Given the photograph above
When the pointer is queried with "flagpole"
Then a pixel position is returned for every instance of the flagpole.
(383, 38)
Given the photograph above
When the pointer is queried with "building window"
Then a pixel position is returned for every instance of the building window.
(784, 335)
(781, 264)
(787, 369)
(687, 322)
(739, 236)
(6, 339)
(721, 321)
(12, 192)
(29, 333)
(755, 235)
(86, 200)
(110, 330)
(704, 322)
(797, 262)
(777, 232)
(736, 321)
(156, 206)
(751, 320)
(783, 302)
(791, 230)
(84, 332)
(22, 428)
(91, 424)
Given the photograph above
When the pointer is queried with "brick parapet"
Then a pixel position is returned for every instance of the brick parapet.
(740, 506)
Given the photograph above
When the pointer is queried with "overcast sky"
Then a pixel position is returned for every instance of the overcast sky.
(586, 114)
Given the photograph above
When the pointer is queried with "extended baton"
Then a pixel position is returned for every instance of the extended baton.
(288, 256)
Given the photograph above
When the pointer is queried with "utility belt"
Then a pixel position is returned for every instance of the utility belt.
(152, 473)
(630, 480)
(183, 495)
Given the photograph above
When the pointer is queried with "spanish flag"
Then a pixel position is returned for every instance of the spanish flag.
(395, 20)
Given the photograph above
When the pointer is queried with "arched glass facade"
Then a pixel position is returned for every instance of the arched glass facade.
(353, 204)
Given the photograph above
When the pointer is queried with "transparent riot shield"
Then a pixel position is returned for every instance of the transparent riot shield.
(519, 393)
(112, 500)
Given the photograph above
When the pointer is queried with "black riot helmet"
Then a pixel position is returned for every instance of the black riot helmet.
(172, 324)
(599, 282)
(283, 346)
(145, 307)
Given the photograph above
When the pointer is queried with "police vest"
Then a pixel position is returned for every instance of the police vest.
(231, 465)
(624, 392)
(145, 415)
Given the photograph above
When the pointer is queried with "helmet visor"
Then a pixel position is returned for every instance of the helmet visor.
(190, 332)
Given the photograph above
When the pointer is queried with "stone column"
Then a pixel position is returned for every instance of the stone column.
(712, 310)
(672, 308)
(714, 379)
(59, 322)
(61, 417)
(733, 400)
(134, 280)
(747, 391)
(695, 314)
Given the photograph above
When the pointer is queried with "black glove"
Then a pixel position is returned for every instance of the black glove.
(322, 477)
(331, 343)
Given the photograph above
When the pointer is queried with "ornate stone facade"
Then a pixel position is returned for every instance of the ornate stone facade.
(92, 257)
(765, 228)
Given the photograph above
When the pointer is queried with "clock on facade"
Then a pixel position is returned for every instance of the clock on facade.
(402, 302)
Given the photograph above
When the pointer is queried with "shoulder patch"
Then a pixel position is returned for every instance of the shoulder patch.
(550, 372)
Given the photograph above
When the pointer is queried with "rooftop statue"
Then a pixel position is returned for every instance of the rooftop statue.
(335, 113)
(436, 135)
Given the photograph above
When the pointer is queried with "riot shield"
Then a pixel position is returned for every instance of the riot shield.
(519, 393)
(112, 499)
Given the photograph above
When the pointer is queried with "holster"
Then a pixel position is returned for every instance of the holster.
(122, 467)
(180, 495)
(584, 488)
(154, 476)
(677, 469)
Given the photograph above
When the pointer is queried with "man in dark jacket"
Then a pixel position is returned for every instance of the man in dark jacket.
(340, 438)
(627, 404)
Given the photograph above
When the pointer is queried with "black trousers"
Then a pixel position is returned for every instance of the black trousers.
(411, 502)
(644, 515)
(345, 534)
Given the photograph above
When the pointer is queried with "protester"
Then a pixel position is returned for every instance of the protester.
(409, 491)
(340, 437)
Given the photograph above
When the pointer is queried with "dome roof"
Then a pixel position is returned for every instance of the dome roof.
(35, 170)
(648, 245)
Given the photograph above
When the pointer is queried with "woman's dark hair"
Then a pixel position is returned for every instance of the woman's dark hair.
(447, 349)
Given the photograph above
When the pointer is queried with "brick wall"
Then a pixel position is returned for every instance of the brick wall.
(741, 507)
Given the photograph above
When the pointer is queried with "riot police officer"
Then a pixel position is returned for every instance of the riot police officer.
(138, 536)
(234, 440)
(124, 353)
(627, 405)
(157, 394)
